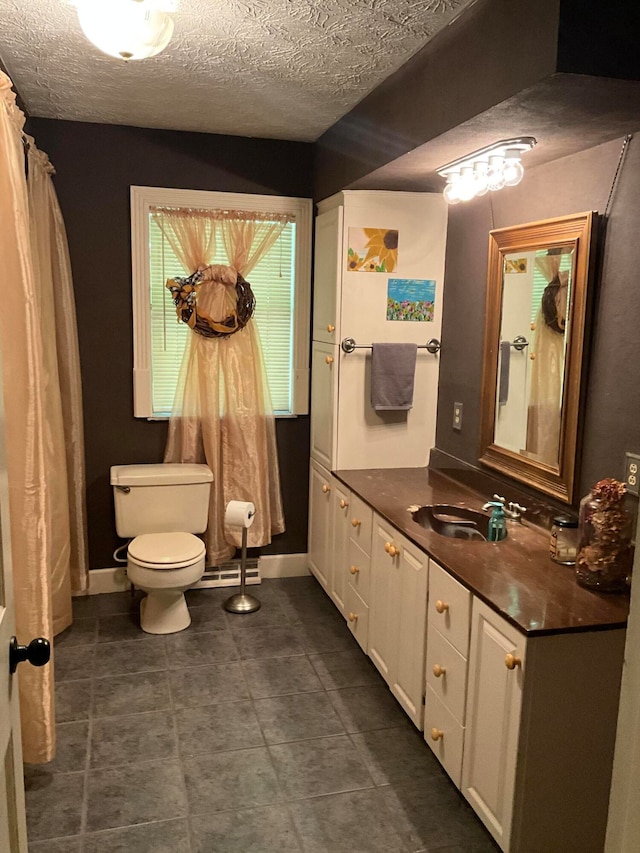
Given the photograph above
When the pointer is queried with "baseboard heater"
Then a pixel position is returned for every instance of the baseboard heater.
(228, 574)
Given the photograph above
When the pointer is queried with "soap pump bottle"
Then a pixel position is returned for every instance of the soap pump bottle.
(497, 524)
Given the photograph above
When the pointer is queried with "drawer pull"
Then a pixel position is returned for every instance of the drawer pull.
(441, 606)
(391, 550)
(353, 617)
(355, 522)
(438, 670)
(331, 328)
(329, 359)
(343, 504)
(354, 570)
(326, 488)
(436, 734)
(511, 661)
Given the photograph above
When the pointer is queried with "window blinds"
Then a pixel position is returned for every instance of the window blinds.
(272, 281)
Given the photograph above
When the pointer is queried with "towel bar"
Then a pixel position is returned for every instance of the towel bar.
(348, 345)
(519, 343)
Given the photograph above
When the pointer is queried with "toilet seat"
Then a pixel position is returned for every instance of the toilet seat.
(166, 551)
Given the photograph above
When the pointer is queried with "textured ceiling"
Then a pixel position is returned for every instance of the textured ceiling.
(283, 69)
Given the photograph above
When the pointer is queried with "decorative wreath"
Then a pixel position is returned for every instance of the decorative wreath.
(184, 292)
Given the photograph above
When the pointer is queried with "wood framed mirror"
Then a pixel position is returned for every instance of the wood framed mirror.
(535, 322)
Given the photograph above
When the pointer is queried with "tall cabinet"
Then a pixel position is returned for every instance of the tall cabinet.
(345, 430)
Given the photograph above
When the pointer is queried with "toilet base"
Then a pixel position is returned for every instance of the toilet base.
(164, 611)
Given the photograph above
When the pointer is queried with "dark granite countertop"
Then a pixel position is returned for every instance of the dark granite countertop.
(516, 577)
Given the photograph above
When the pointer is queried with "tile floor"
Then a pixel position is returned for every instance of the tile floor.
(265, 732)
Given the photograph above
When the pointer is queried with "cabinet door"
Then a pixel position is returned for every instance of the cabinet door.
(324, 387)
(494, 701)
(319, 522)
(385, 557)
(410, 622)
(327, 276)
(340, 524)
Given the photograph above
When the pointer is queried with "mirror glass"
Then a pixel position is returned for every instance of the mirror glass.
(534, 338)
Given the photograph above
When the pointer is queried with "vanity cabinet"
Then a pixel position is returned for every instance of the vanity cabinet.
(541, 718)
(329, 507)
(397, 615)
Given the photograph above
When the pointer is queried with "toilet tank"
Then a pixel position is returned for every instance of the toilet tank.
(162, 498)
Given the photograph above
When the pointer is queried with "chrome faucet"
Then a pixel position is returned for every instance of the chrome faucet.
(513, 510)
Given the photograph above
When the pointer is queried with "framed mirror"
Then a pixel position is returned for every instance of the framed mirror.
(535, 321)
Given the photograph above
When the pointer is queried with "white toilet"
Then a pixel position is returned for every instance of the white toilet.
(162, 506)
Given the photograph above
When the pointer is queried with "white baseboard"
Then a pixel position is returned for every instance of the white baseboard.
(283, 566)
(271, 566)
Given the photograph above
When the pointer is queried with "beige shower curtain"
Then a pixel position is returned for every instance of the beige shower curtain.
(43, 418)
(545, 398)
(222, 413)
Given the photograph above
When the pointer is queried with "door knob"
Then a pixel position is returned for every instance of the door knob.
(37, 653)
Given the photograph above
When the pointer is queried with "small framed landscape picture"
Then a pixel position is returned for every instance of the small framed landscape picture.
(411, 299)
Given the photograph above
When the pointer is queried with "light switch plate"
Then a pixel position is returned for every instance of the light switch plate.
(632, 473)
(457, 415)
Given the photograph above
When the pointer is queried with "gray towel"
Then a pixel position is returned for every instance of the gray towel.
(393, 368)
(505, 364)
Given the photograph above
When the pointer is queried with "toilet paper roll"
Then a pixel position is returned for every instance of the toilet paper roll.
(239, 514)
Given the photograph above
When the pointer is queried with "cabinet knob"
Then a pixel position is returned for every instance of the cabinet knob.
(353, 617)
(326, 488)
(355, 522)
(343, 504)
(532, 356)
(436, 734)
(354, 570)
(331, 328)
(511, 661)
(438, 670)
(329, 359)
(441, 606)
(391, 550)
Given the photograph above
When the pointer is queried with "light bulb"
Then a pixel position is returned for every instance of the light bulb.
(513, 169)
(495, 175)
(126, 29)
(466, 184)
(480, 170)
(450, 192)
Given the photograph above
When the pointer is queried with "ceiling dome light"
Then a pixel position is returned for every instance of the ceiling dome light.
(495, 175)
(126, 29)
(466, 184)
(450, 192)
(480, 170)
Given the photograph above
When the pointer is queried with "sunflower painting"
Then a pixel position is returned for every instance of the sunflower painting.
(517, 265)
(372, 250)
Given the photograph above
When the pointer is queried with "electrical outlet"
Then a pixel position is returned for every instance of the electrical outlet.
(457, 415)
(632, 473)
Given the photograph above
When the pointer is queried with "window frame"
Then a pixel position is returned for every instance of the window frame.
(143, 199)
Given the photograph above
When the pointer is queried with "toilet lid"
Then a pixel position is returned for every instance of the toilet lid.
(166, 550)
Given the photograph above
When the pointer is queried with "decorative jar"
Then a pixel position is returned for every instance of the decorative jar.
(563, 545)
(605, 552)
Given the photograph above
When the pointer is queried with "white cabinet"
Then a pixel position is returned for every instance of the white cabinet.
(319, 540)
(397, 615)
(540, 730)
(359, 577)
(346, 432)
(495, 698)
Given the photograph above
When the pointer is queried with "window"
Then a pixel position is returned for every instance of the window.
(281, 283)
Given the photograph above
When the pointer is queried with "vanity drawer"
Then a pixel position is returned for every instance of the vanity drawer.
(361, 523)
(449, 607)
(357, 617)
(451, 684)
(444, 735)
(359, 570)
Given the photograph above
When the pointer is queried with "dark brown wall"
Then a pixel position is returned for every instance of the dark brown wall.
(96, 165)
(612, 406)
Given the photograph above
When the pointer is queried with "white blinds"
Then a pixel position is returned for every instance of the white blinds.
(272, 281)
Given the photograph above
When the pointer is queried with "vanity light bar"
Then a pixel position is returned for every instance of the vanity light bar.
(489, 168)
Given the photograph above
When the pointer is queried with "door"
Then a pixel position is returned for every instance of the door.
(382, 602)
(340, 523)
(324, 394)
(319, 522)
(327, 276)
(13, 830)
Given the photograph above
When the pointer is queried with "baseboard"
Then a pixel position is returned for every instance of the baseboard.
(283, 566)
(271, 566)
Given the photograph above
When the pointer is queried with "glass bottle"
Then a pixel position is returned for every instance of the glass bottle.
(605, 552)
(563, 546)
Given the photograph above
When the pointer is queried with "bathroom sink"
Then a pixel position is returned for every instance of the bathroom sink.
(455, 522)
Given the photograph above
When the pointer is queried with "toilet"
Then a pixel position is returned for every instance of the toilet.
(160, 507)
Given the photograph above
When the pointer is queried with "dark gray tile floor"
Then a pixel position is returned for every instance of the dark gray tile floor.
(265, 732)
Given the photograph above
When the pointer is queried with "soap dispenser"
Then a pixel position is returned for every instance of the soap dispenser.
(497, 523)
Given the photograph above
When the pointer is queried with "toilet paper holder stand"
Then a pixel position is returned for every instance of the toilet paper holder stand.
(242, 602)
